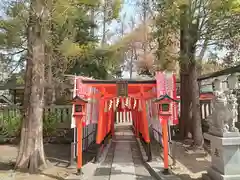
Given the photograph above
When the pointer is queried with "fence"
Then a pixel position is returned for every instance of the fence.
(205, 110)
(89, 135)
(61, 113)
(58, 116)
(61, 116)
(123, 117)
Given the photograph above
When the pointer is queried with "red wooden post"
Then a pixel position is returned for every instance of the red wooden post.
(109, 120)
(100, 122)
(117, 115)
(112, 121)
(145, 130)
(79, 109)
(134, 122)
(100, 133)
(137, 126)
(105, 120)
(106, 116)
(79, 144)
(145, 122)
(165, 144)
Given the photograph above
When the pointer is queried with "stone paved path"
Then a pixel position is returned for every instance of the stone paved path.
(123, 161)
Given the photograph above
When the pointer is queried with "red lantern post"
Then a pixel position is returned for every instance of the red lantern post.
(165, 113)
(79, 114)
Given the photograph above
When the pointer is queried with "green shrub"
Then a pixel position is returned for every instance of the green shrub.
(50, 124)
(205, 125)
(11, 124)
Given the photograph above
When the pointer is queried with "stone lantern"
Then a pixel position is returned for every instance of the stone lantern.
(217, 85)
(223, 135)
(232, 81)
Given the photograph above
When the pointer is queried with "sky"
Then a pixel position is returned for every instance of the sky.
(130, 10)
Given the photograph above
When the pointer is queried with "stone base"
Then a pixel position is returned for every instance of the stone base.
(72, 166)
(218, 132)
(237, 124)
(225, 152)
(205, 176)
(76, 177)
(215, 175)
(228, 139)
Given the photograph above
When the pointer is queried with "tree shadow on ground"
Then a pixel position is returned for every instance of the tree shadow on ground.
(53, 176)
(194, 161)
(187, 177)
(57, 154)
(61, 153)
(181, 175)
(6, 166)
(111, 171)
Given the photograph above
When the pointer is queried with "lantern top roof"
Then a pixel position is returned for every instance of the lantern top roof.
(162, 97)
(77, 99)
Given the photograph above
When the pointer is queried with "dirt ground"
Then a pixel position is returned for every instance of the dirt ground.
(190, 163)
(58, 155)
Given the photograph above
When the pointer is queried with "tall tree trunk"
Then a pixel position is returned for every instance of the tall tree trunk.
(49, 88)
(104, 24)
(49, 59)
(145, 29)
(50, 96)
(27, 92)
(196, 116)
(131, 63)
(133, 48)
(31, 153)
(193, 74)
(189, 73)
(122, 34)
(185, 107)
(92, 17)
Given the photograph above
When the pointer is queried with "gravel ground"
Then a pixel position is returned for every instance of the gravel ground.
(190, 163)
(58, 154)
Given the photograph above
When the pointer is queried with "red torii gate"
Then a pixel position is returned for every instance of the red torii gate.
(139, 92)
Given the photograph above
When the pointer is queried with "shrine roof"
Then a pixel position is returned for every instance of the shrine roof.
(129, 81)
(227, 71)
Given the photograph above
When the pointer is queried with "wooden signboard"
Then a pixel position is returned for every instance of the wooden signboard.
(122, 88)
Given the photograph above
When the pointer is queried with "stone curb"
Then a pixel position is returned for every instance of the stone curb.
(206, 177)
(90, 166)
(105, 152)
(156, 173)
(144, 158)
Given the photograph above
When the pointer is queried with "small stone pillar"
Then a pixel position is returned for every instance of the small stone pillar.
(238, 101)
(223, 135)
